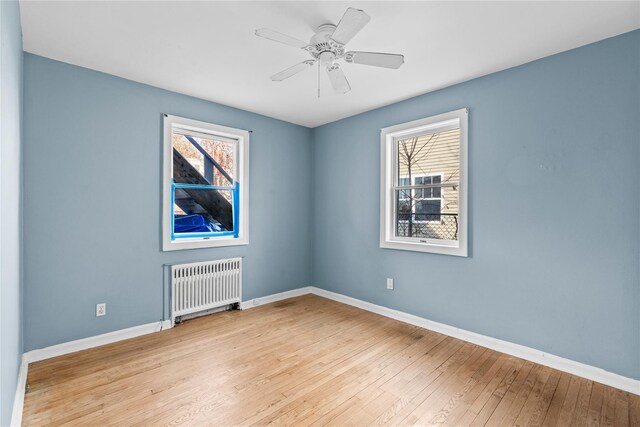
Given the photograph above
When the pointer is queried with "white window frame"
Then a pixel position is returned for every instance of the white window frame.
(388, 174)
(241, 175)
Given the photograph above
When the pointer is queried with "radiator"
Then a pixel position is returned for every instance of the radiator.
(202, 286)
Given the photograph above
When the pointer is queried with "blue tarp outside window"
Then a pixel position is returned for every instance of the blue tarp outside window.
(195, 224)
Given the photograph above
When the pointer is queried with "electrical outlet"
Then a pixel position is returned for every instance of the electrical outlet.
(101, 309)
(389, 283)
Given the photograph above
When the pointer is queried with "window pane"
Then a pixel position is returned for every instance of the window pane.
(427, 193)
(420, 192)
(221, 152)
(427, 210)
(428, 218)
(198, 160)
(202, 211)
(404, 209)
(430, 155)
(435, 192)
(188, 162)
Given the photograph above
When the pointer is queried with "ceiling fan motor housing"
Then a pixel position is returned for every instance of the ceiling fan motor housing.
(323, 48)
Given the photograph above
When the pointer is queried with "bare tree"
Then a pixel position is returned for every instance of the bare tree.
(410, 152)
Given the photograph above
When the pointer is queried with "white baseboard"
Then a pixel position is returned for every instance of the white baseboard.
(275, 297)
(556, 362)
(18, 401)
(98, 340)
(164, 325)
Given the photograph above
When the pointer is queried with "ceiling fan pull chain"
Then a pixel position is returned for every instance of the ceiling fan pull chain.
(318, 79)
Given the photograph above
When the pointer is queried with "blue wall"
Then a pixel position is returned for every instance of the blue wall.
(10, 198)
(93, 198)
(554, 155)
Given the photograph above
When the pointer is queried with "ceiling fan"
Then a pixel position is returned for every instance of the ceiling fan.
(327, 47)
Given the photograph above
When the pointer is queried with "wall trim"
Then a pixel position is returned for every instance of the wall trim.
(556, 362)
(95, 341)
(18, 401)
(256, 302)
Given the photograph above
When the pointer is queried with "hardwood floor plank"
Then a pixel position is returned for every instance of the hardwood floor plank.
(595, 405)
(534, 399)
(540, 409)
(512, 413)
(622, 408)
(553, 413)
(507, 401)
(310, 361)
(582, 405)
(432, 398)
(466, 378)
(634, 409)
(568, 410)
(492, 402)
(423, 379)
(608, 412)
(436, 408)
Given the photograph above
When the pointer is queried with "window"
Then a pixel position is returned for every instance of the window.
(424, 185)
(205, 185)
(423, 204)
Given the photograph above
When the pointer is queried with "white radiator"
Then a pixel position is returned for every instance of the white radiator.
(205, 285)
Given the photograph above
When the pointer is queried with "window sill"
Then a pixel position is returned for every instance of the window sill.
(203, 244)
(443, 249)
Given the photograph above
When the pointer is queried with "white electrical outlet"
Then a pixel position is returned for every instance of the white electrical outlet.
(101, 309)
(389, 283)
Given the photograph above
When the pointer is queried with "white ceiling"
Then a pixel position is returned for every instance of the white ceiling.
(209, 50)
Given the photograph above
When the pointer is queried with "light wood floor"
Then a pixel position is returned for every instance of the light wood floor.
(310, 361)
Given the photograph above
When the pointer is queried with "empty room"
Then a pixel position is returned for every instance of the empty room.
(319, 213)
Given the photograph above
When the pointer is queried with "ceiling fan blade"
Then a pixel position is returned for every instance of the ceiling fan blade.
(281, 38)
(292, 70)
(376, 59)
(351, 23)
(338, 79)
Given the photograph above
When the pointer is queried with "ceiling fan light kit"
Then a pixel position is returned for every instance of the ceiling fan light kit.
(327, 46)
